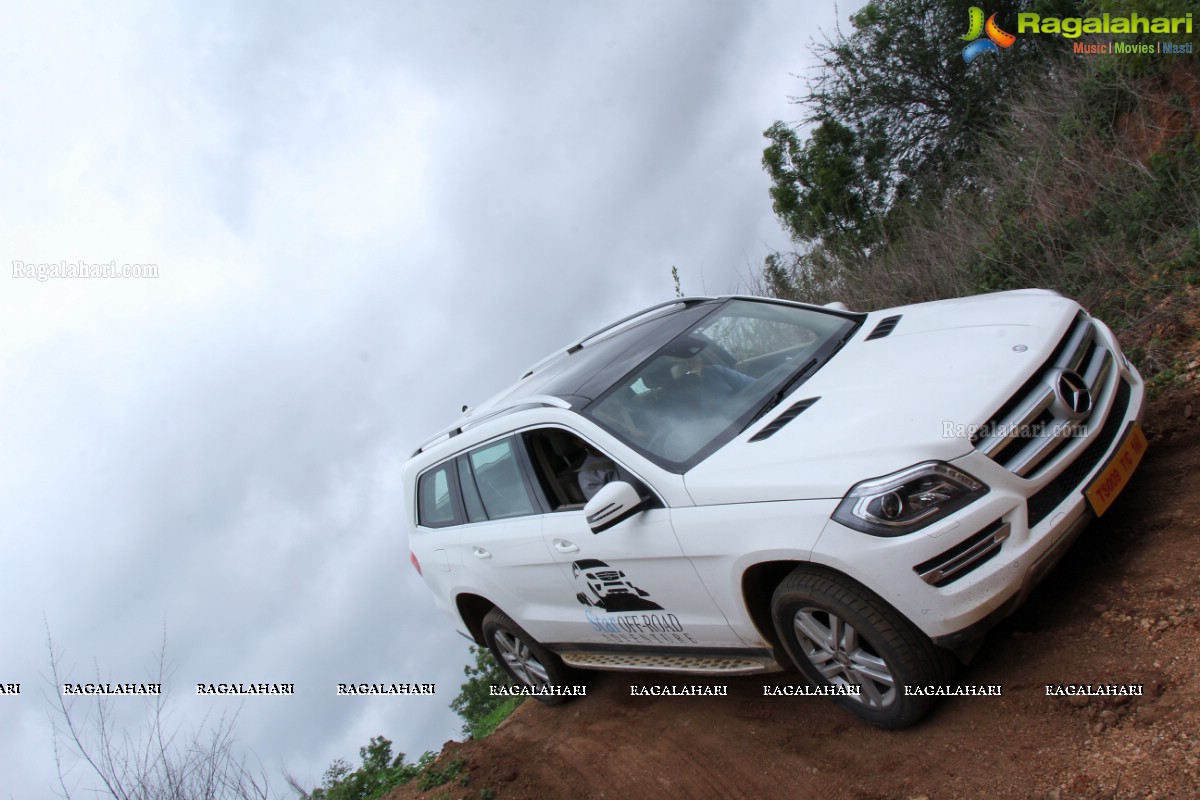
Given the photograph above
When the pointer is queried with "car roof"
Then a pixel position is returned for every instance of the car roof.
(570, 377)
(585, 370)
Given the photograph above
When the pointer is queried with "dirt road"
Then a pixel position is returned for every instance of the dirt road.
(1121, 608)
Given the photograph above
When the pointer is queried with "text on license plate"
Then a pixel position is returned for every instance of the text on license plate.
(1112, 479)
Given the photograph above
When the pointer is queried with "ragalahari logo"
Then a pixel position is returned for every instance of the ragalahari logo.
(996, 38)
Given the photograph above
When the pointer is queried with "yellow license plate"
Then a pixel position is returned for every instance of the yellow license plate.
(1112, 479)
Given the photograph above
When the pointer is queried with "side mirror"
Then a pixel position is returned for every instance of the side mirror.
(615, 502)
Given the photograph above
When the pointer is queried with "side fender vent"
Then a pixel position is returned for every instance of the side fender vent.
(885, 326)
(795, 410)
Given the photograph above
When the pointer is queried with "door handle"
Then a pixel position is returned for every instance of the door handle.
(563, 546)
(480, 552)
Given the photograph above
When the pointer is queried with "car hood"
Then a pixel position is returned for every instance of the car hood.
(892, 401)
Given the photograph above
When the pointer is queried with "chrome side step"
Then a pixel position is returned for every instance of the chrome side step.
(703, 664)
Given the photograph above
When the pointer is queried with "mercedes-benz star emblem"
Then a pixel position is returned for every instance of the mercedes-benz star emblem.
(1073, 394)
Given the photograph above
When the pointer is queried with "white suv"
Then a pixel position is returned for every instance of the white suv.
(734, 485)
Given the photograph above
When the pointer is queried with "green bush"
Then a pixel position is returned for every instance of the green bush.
(482, 711)
(378, 775)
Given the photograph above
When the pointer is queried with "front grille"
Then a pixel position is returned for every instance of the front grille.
(1053, 493)
(1042, 419)
(965, 557)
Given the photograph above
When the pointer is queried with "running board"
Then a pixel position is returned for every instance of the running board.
(702, 664)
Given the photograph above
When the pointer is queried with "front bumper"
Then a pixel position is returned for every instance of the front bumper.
(1035, 521)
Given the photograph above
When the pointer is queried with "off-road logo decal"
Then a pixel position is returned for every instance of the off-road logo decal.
(607, 587)
(640, 628)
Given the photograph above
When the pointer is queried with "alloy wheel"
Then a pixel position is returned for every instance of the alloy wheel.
(838, 652)
(520, 659)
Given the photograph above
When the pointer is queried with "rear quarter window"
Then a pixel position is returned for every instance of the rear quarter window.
(435, 498)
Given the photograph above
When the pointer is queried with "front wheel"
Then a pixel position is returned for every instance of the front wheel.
(522, 658)
(840, 634)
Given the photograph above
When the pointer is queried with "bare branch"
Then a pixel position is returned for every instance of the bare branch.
(155, 762)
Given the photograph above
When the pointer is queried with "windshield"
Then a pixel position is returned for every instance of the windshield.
(708, 383)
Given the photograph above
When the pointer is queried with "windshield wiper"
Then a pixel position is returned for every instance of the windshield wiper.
(782, 392)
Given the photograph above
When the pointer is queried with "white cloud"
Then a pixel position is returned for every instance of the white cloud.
(363, 217)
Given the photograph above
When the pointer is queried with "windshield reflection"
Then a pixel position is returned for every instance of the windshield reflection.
(703, 385)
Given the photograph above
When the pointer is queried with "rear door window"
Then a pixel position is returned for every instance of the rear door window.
(500, 481)
(470, 491)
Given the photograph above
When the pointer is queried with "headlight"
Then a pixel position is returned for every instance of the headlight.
(908, 500)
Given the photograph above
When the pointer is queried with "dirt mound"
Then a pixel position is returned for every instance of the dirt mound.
(1121, 608)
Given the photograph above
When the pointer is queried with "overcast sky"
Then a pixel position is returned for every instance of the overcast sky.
(362, 218)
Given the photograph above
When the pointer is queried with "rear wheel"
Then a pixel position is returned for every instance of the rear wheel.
(840, 634)
(522, 658)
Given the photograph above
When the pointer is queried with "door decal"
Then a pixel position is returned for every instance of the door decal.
(608, 588)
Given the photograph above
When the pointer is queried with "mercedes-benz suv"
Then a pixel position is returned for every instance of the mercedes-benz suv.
(736, 485)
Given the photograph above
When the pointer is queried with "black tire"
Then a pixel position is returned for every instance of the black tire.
(523, 659)
(838, 632)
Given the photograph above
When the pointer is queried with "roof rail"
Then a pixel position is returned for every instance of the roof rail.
(470, 418)
(578, 344)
